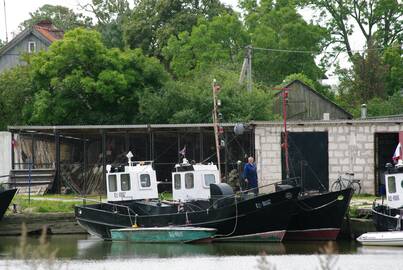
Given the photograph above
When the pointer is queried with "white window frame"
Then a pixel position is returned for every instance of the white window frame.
(121, 181)
(204, 180)
(192, 178)
(116, 183)
(29, 47)
(180, 181)
(149, 177)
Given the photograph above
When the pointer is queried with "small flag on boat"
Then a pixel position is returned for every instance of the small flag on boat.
(398, 153)
(183, 151)
(13, 143)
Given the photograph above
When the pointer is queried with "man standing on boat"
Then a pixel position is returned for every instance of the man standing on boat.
(250, 175)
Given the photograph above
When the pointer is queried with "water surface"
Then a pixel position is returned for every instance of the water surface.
(85, 252)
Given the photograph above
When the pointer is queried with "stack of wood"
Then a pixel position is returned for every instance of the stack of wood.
(82, 181)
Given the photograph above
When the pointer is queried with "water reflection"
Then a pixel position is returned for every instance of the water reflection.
(86, 247)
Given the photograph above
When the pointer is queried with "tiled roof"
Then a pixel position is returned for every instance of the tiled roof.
(48, 30)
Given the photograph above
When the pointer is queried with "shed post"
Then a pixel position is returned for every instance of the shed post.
(12, 151)
(57, 165)
(103, 134)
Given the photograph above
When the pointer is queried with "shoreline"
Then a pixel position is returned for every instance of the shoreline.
(65, 223)
(56, 223)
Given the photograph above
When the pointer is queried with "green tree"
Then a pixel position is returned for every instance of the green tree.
(393, 59)
(153, 22)
(277, 25)
(364, 81)
(190, 100)
(80, 81)
(110, 16)
(219, 42)
(16, 96)
(315, 85)
(61, 17)
(379, 21)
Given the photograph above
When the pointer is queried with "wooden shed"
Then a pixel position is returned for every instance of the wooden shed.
(304, 103)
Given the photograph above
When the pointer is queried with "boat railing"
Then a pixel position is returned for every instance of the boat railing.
(114, 206)
(242, 193)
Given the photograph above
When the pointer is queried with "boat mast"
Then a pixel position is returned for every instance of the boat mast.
(284, 145)
(285, 96)
(217, 128)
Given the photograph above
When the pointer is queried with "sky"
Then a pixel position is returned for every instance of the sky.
(18, 11)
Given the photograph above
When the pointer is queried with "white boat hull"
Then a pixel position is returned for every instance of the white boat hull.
(381, 239)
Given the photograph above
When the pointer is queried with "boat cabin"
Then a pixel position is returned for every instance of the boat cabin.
(192, 181)
(394, 185)
(136, 181)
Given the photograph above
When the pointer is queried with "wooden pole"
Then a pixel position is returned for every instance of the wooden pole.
(215, 89)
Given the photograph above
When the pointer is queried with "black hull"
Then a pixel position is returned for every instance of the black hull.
(263, 213)
(5, 199)
(319, 217)
(384, 218)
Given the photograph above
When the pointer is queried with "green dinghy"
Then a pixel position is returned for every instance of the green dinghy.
(171, 234)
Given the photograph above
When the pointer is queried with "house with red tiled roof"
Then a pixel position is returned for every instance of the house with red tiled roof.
(31, 40)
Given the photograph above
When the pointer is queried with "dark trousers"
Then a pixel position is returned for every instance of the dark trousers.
(254, 189)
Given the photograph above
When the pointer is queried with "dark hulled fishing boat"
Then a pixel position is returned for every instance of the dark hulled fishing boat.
(230, 214)
(6, 196)
(316, 216)
(319, 217)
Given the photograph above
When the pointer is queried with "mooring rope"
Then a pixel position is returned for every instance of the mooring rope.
(308, 208)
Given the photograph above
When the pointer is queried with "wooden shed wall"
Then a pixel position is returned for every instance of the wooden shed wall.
(12, 57)
(305, 104)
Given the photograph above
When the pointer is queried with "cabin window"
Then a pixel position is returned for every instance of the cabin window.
(391, 184)
(177, 181)
(209, 179)
(189, 180)
(31, 46)
(112, 183)
(145, 180)
(125, 182)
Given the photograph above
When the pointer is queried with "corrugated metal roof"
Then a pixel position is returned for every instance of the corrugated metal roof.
(114, 127)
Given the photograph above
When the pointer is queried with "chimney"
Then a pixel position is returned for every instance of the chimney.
(364, 111)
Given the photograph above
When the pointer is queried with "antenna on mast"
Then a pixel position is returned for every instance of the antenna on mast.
(5, 19)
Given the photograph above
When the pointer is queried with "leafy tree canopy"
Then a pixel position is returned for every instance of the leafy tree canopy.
(15, 96)
(379, 21)
(61, 17)
(190, 100)
(110, 16)
(277, 25)
(218, 42)
(153, 22)
(80, 81)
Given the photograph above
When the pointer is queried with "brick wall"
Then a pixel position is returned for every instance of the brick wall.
(351, 147)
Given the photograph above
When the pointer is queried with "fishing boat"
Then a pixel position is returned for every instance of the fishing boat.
(388, 215)
(169, 234)
(6, 196)
(394, 238)
(319, 217)
(199, 200)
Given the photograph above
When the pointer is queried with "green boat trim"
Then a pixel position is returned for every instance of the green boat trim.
(162, 234)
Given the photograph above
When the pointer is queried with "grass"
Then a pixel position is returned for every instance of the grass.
(64, 196)
(42, 206)
(365, 196)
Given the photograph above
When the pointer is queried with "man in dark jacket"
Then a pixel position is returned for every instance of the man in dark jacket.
(250, 175)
